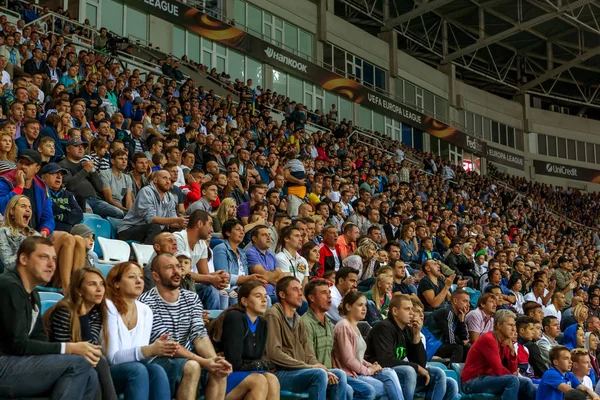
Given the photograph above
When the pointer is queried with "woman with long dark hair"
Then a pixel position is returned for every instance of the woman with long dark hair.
(81, 316)
(249, 378)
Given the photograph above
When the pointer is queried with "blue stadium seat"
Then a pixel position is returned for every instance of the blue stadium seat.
(114, 223)
(41, 289)
(291, 395)
(104, 268)
(50, 296)
(437, 364)
(46, 304)
(458, 368)
(214, 313)
(101, 228)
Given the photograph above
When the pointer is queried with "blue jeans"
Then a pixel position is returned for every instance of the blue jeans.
(103, 209)
(341, 391)
(411, 383)
(209, 295)
(59, 376)
(312, 381)
(141, 381)
(509, 387)
(385, 383)
(362, 389)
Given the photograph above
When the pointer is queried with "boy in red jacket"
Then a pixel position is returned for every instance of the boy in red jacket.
(491, 364)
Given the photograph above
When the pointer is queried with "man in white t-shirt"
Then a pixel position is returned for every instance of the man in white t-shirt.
(290, 262)
(554, 309)
(346, 280)
(537, 292)
(193, 240)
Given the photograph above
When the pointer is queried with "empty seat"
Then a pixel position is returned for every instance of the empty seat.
(46, 304)
(114, 251)
(142, 252)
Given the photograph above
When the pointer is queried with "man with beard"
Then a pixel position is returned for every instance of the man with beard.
(152, 212)
(178, 314)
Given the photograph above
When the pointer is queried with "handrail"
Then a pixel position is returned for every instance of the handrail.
(6, 10)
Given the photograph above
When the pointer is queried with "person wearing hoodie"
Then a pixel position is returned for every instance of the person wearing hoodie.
(23, 180)
(525, 334)
(396, 343)
(288, 347)
(574, 337)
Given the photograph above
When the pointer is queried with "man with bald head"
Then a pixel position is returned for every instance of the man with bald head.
(153, 211)
(164, 242)
(212, 169)
(178, 314)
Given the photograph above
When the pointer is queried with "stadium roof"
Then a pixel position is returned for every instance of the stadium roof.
(547, 47)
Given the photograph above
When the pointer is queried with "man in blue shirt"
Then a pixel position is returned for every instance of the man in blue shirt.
(262, 261)
(558, 383)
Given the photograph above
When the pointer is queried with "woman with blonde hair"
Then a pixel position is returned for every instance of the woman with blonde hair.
(128, 348)
(81, 316)
(8, 151)
(227, 210)
(319, 225)
(70, 250)
(64, 125)
(363, 259)
(381, 293)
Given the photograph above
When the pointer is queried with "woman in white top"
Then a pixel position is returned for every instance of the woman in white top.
(129, 326)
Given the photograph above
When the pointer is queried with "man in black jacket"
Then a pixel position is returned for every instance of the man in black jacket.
(395, 343)
(448, 326)
(29, 365)
(392, 229)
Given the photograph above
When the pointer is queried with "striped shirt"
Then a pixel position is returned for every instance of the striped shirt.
(100, 163)
(60, 325)
(182, 320)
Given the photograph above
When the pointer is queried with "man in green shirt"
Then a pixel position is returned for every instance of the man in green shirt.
(319, 330)
(565, 279)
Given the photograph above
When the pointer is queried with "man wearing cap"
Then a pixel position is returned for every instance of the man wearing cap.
(23, 180)
(565, 279)
(65, 208)
(84, 181)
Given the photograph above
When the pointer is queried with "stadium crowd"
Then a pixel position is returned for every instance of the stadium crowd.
(342, 268)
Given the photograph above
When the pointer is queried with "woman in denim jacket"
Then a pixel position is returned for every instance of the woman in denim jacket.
(228, 256)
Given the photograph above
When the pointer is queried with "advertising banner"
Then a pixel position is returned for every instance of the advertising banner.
(213, 29)
(506, 158)
(566, 171)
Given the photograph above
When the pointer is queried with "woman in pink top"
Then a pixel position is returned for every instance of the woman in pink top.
(349, 349)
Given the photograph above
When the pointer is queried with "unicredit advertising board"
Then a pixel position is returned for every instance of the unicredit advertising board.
(566, 171)
(213, 29)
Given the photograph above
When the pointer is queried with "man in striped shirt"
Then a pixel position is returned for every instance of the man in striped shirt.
(178, 313)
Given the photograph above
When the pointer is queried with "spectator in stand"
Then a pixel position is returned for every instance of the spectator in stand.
(396, 343)
(82, 315)
(178, 315)
(565, 279)
(349, 349)
(262, 261)
(347, 241)
(128, 349)
(551, 329)
(83, 180)
(288, 258)
(558, 304)
(433, 290)
(491, 364)
(448, 326)
(295, 178)
(64, 370)
(193, 240)
(558, 382)
(345, 281)
(152, 212)
(481, 319)
(248, 379)
(117, 186)
(288, 347)
(65, 209)
(330, 253)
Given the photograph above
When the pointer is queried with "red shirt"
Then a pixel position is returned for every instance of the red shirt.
(488, 358)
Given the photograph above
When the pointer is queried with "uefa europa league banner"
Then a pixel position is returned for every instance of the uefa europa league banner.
(213, 29)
